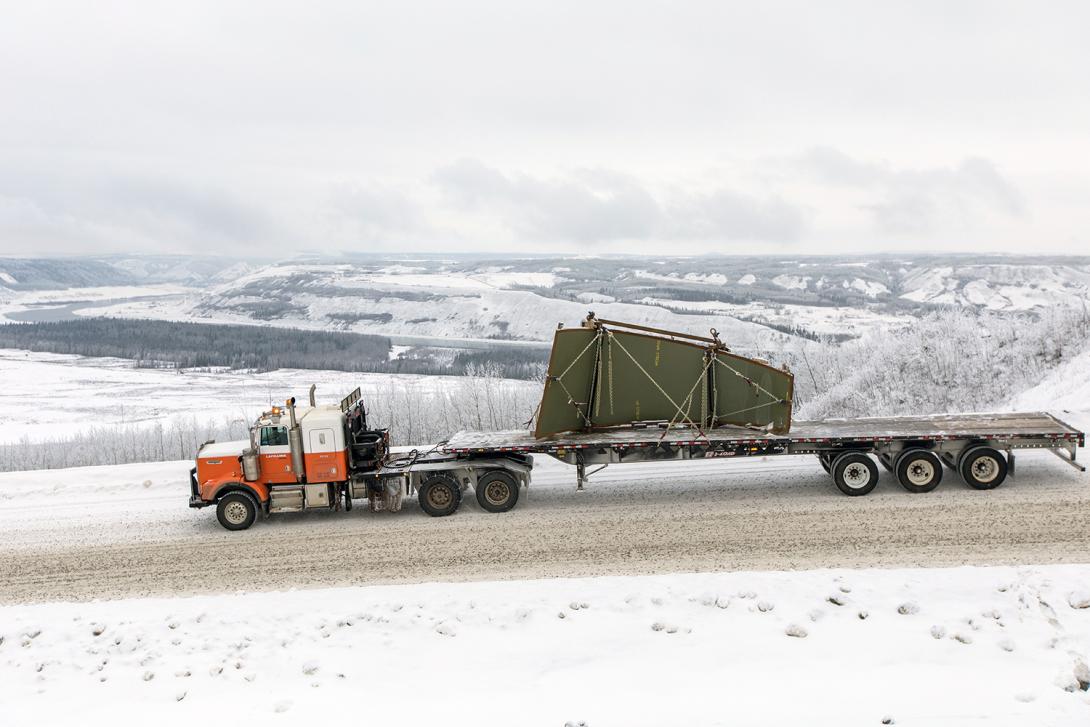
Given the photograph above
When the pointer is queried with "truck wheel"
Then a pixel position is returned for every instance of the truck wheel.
(236, 510)
(919, 470)
(439, 495)
(983, 468)
(497, 491)
(855, 473)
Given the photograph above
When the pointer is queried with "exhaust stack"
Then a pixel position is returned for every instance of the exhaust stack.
(295, 442)
(313, 403)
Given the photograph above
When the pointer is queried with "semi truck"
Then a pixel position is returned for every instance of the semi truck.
(614, 393)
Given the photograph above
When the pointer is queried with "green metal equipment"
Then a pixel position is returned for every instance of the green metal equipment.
(607, 374)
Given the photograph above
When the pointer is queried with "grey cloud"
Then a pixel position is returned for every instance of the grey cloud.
(589, 206)
(914, 201)
(601, 205)
(369, 211)
(81, 211)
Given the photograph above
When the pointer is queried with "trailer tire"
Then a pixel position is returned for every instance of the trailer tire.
(236, 510)
(439, 495)
(983, 468)
(919, 470)
(855, 473)
(497, 491)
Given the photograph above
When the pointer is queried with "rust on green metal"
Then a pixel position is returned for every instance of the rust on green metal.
(605, 374)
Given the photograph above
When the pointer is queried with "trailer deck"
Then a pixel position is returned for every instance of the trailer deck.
(918, 442)
(1020, 429)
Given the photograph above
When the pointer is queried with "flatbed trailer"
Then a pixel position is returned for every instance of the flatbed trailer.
(607, 388)
(978, 447)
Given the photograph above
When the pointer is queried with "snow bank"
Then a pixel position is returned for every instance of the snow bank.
(998, 646)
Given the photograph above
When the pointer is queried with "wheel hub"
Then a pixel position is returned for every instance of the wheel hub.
(440, 496)
(497, 492)
(920, 472)
(856, 475)
(235, 512)
(985, 469)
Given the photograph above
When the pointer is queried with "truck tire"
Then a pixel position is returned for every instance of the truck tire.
(919, 470)
(236, 510)
(855, 473)
(439, 495)
(983, 468)
(497, 491)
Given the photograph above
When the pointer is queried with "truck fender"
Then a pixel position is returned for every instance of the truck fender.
(259, 491)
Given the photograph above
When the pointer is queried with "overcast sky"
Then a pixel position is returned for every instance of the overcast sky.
(582, 126)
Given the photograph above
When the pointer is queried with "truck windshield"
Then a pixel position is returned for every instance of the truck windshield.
(274, 436)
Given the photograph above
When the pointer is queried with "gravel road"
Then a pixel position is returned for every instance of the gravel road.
(125, 531)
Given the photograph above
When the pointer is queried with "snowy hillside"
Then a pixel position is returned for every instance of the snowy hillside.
(755, 301)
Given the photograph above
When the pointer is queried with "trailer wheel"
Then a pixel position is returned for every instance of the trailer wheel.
(855, 473)
(919, 470)
(236, 510)
(497, 491)
(983, 468)
(439, 495)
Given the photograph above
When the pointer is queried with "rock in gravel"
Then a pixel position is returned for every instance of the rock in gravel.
(888, 720)
(836, 599)
(561, 615)
(963, 638)
(658, 626)
(796, 631)
(908, 608)
(149, 675)
(282, 706)
(863, 615)
(765, 606)
(311, 667)
(179, 696)
(1082, 675)
(1079, 599)
(1006, 645)
(938, 632)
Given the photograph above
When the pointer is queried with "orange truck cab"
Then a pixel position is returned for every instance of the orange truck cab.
(292, 461)
(322, 457)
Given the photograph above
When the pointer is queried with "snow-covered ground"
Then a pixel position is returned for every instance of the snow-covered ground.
(996, 646)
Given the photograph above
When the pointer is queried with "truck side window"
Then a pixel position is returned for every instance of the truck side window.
(271, 436)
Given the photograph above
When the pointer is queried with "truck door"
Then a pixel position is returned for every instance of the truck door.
(322, 458)
(275, 454)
